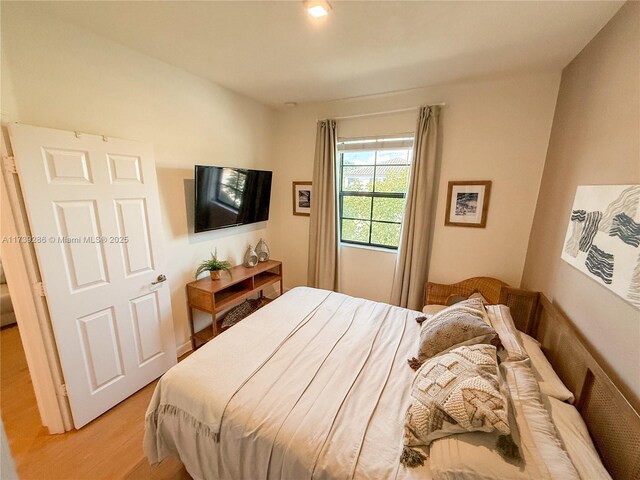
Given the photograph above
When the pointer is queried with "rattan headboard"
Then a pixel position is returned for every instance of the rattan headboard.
(523, 303)
(611, 417)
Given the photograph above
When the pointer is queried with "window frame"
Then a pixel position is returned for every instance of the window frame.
(396, 142)
(235, 188)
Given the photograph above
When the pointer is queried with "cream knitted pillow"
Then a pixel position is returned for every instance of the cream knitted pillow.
(454, 393)
(457, 325)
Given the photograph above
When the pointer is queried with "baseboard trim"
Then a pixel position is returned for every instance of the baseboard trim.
(184, 348)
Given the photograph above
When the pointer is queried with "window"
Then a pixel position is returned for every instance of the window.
(374, 174)
(232, 187)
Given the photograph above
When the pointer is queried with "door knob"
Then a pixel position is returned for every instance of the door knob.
(161, 278)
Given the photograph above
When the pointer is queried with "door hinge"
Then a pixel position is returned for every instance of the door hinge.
(9, 164)
(62, 390)
(39, 288)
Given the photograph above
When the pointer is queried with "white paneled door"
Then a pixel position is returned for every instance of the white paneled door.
(94, 212)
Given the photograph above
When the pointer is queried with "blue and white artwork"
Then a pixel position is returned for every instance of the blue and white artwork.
(603, 237)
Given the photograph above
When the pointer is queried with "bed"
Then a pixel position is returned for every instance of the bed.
(316, 385)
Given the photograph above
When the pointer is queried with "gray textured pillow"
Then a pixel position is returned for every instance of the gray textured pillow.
(455, 393)
(457, 325)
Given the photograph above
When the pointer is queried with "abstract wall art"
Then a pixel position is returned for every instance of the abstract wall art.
(603, 237)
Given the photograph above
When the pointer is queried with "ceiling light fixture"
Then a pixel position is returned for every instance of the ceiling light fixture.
(317, 8)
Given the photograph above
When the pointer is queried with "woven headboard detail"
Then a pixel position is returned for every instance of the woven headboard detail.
(523, 303)
(439, 292)
(612, 418)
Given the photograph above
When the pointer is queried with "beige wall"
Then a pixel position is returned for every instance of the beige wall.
(595, 141)
(493, 130)
(57, 75)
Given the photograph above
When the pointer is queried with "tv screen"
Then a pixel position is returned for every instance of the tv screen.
(227, 197)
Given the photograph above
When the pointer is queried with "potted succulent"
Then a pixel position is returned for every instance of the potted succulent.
(214, 267)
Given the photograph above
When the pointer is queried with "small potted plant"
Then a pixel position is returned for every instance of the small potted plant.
(214, 267)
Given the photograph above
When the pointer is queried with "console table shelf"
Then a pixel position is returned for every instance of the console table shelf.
(214, 296)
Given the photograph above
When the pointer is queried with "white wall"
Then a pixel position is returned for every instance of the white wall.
(492, 130)
(57, 75)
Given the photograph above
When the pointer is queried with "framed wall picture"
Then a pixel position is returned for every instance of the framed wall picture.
(302, 198)
(468, 203)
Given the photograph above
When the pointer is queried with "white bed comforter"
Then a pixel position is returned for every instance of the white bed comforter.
(313, 385)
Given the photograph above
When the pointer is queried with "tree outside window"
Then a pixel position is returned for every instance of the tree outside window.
(373, 186)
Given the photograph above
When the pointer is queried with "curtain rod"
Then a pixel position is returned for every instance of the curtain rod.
(386, 112)
(369, 137)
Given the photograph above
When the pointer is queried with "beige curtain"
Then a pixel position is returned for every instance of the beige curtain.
(413, 253)
(323, 228)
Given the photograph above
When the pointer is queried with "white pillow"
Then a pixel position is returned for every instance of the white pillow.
(480, 296)
(501, 321)
(550, 383)
(472, 456)
(575, 436)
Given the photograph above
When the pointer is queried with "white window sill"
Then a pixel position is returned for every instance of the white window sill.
(369, 247)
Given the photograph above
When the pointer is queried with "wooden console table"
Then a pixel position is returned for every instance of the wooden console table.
(213, 296)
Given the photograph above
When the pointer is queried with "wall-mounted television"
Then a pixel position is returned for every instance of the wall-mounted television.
(228, 197)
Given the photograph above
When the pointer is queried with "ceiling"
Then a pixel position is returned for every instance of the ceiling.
(275, 52)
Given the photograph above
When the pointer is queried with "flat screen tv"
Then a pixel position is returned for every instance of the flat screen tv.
(228, 197)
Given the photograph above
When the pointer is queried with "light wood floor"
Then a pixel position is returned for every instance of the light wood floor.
(110, 447)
